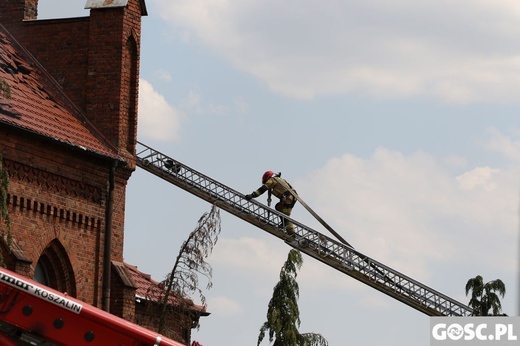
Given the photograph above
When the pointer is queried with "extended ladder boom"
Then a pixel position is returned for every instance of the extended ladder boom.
(335, 254)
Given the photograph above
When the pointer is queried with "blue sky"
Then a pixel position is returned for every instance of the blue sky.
(398, 122)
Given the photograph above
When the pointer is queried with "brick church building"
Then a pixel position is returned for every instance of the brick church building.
(68, 131)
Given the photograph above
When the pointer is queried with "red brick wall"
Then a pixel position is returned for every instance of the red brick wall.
(115, 101)
(61, 46)
(56, 193)
(122, 298)
(95, 59)
(11, 12)
(178, 324)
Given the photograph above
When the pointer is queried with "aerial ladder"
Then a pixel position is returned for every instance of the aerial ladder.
(337, 254)
(32, 314)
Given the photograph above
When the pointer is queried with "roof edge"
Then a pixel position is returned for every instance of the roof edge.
(98, 4)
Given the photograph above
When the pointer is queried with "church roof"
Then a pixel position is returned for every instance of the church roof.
(31, 100)
(147, 288)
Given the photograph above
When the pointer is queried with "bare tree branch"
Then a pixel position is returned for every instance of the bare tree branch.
(190, 264)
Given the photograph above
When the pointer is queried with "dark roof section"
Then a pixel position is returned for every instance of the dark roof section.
(149, 289)
(30, 99)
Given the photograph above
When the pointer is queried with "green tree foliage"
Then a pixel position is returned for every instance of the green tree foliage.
(183, 280)
(283, 314)
(485, 297)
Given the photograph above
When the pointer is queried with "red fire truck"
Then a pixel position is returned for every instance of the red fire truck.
(33, 314)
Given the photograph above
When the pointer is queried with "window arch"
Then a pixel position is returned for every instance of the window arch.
(55, 270)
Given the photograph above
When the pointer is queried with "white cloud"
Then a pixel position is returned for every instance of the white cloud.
(157, 119)
(458, 53)
(408, 212)
(224, 307)
(504, 145)
(314, 275)
(261, 260)
(455, 161)
(163, 75)
(194, 103)
(478, 177)
(252, 256)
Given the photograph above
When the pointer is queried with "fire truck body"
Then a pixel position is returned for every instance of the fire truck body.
(33, 314)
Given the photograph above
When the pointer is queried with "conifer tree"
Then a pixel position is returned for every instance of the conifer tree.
(283, 314)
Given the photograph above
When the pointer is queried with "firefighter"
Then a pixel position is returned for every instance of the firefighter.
(274, 184)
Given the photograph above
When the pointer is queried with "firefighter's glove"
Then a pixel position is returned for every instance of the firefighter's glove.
(249, 197)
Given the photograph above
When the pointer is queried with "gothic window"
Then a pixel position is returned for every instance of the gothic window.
(55, 270)
(40, 273)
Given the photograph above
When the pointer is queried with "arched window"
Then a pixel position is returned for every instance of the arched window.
(55, 270)
(40, 273)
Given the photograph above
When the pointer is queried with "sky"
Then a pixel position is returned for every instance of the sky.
(397, 122)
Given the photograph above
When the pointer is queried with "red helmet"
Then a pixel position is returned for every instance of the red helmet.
(266, 176)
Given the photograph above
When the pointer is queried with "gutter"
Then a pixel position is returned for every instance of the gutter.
(107, 251)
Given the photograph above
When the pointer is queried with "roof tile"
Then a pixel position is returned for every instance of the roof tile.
(149, 289)
(33, 101)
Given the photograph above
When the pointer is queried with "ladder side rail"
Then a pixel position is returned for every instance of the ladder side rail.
(379, 273)
(192, 180)
(416, 290)
(410, 291)
(366, 279)
(353, 260)
(343, 256)
(183, 172)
